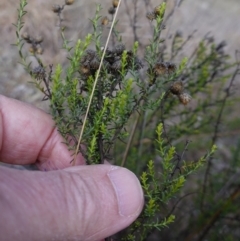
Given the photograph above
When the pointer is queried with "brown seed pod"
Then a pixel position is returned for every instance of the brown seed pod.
(84, 59)
(104, 21)
(119, 49)
(109, 57)
(90, 53)
(177, 88)
(151, 16)
(117, 65)
(94, 63)
(111, 10)
(115, 3)
(32, 49)
(38, 39)
(56, 8)
(171, 67)
(39, 72)
(39, 50)
(69, 2)
(184, 98)
(108, 52)
(130, 54)
(160, 68)
(85, 69)
(157, 10)
(25, 36)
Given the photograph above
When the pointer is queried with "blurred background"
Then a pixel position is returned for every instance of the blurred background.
(218, 18)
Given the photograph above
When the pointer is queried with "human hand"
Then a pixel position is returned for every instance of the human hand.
(75, 203)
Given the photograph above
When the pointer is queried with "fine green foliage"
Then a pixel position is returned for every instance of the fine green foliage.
(143, 114)
(161, 187)
(20, 42)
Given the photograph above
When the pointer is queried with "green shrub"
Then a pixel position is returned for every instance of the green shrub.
(158, 116)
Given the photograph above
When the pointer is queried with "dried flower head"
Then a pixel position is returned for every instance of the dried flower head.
(171, 67)
(111, 10)
(109, 57)
(56, 8)
(184, 98)
(26, 36)
(130, 54)
(115, 3)
(32, 49)
(69, 2)
(39, 72)
(177, 88)
(39, 50)
(108, 52)
(105, 21)
(94, 63)
(90, 53)
(85, 69)
(119, 49)
(160, 68)
(38, 39)
(139, 63)
(157, 10)
(117, 65)
(151, 16)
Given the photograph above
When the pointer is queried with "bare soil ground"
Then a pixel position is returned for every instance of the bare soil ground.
(221, 18)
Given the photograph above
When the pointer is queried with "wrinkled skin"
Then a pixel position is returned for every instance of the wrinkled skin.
(60, 202)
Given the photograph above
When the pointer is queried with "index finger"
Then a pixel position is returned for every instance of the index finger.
(28, 135)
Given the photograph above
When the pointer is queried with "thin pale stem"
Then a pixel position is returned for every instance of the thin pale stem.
(129, 141)
(94, 84)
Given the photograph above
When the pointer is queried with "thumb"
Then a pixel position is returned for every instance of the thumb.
(77, 203)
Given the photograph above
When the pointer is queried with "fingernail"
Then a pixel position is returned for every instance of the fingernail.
(128, 191)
